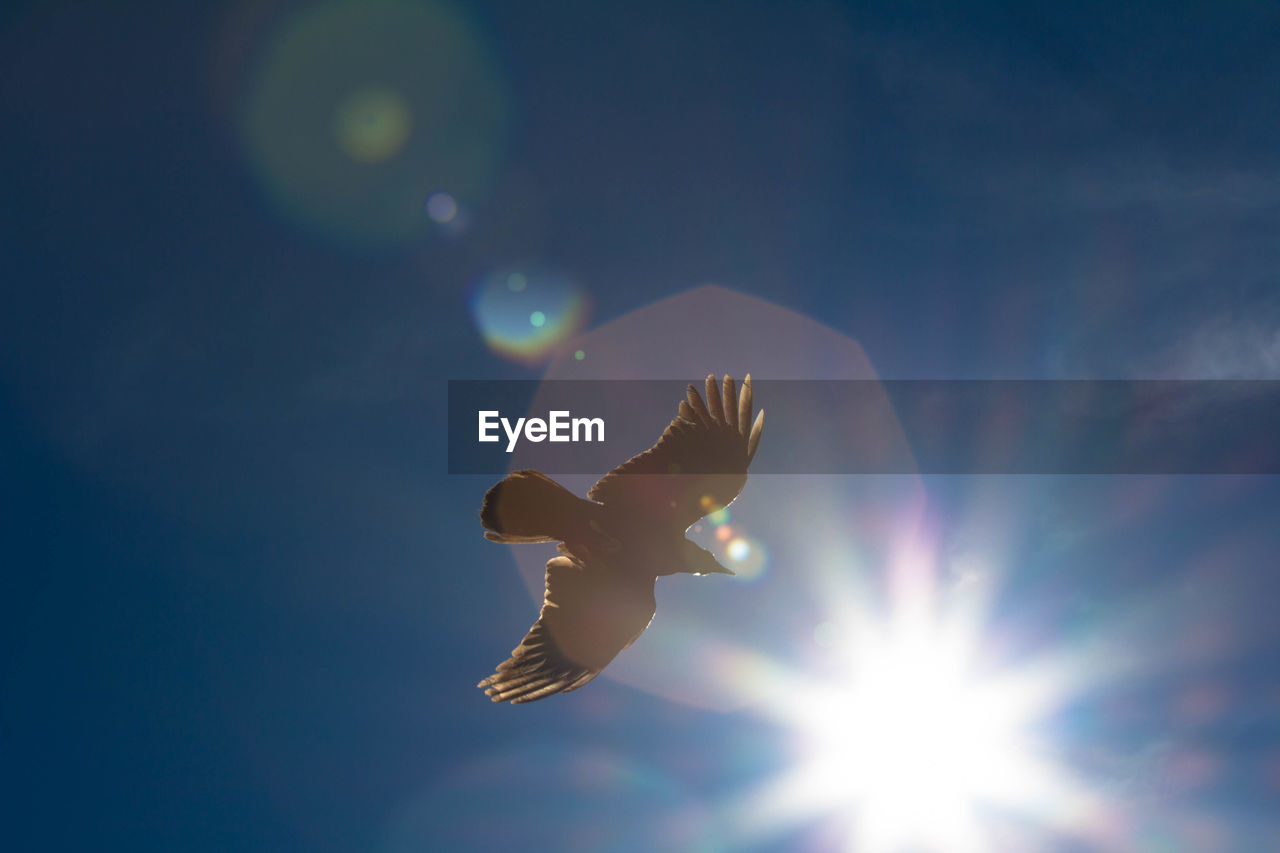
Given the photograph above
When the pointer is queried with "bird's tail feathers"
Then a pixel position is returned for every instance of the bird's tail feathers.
(528, 506)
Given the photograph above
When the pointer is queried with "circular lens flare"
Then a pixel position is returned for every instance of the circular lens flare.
(372, 125)
(442, 208)
(747, 558)
(708, 615)
(358, 111)
(525, 315)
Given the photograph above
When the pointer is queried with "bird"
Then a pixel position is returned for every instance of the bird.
(613, 545)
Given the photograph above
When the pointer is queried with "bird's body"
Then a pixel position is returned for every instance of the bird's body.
(613, 546)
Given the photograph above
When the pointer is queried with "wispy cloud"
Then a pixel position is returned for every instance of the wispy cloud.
(1134, 181)
(1226, 346)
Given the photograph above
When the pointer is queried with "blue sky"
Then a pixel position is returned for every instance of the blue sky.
(244, 603)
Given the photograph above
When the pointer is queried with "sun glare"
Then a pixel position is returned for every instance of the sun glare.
(915, 745)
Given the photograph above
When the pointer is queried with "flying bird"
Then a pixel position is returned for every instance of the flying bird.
(613, 547)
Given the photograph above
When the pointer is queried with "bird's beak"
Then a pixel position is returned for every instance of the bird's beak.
(721, 570)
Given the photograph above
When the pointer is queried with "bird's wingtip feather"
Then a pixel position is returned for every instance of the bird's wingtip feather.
(754, 441)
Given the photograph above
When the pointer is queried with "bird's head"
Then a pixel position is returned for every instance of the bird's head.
(696, 560)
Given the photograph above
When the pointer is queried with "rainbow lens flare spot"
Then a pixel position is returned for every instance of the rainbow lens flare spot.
(525, 315)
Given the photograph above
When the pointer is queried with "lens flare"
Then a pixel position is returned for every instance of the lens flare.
(674, 339)
(747, 558)
(360, 111)
(442, 208)
(372, 124)
(525, 315)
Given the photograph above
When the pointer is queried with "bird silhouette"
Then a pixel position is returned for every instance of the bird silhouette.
(600, 590)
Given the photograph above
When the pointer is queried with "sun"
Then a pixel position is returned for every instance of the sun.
(915, 743)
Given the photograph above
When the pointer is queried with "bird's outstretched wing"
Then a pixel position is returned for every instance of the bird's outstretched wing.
(588, 616)
(699, 464)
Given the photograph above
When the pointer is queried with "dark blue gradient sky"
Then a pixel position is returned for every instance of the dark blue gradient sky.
(244, 605)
